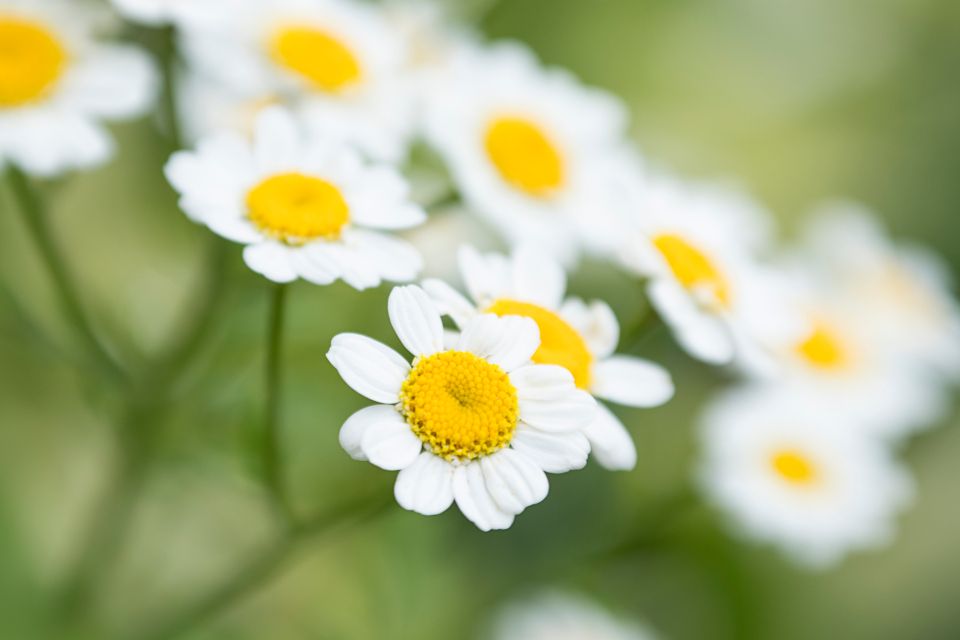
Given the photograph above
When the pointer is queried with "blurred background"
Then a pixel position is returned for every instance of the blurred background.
(798, 101)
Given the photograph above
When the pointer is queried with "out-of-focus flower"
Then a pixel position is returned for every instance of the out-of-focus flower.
(161, 12)
(57, 83)
(697, 245)
(789, 470)
(336, 61)
(562, 616)
(524, 143)
(575, 335)
(206, 107)
(904, 290)
(477, 424)
(302, 205)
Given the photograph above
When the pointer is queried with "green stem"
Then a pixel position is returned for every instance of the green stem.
(272, 449)
(35, 217)
(642, 329)
(168, 59)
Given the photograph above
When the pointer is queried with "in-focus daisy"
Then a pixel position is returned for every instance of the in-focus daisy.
(561, 616)
(57, 83)
(790, 471)
(524, 144)
(578, 336)
(330, 59)
(697, 245)
(305, 207)
(905, 289)
(477, 423)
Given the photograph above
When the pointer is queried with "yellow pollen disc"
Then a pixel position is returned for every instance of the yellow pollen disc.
(324, 60)
(295, 208)
(460, 405)
(823, 348)
(692, 267)
(560, 343)
(794, 467)
(32, 59)
(525, 156)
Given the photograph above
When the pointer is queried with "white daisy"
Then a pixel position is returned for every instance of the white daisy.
(327, 58)
(562, 616)
(477, 424)
(575, 335)
(57, 83)
(788, 471)
(304, 207)
(523, 143)
(696, 244)
(162, 12)
(905, 289)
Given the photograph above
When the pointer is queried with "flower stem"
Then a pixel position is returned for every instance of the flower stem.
(272, 447)
(168, 58)
(34, 216)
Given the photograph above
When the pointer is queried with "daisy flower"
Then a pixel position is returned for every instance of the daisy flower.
(563, 616)
(304, 207)
(787, 471)
(696, 246)
(57, 83)
(523, 143)
(162, 12)
(578, 336)
(330, 59)
(477, 423)
(906, 288)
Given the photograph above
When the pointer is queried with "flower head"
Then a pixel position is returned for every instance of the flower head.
(561, 616)
(477, 423)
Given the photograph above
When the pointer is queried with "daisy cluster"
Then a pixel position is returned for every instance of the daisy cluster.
(307, 121)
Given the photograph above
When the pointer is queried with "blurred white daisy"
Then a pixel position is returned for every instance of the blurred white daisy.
(697, 245)
(305, 207)
(905, 289)
(562, 616)
(789, 471)
(524, 143)
(477, 423)
(57, 83)
(578, 336)
(333, 60)
(162, 12)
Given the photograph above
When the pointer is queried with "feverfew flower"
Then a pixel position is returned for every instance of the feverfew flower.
(696, 245)
(305, 207)
(57, 83)
(524, 144)
(789, 471)
(575, 335)
(333, 60)
(477, 423)
(562, 616)
(905, 289)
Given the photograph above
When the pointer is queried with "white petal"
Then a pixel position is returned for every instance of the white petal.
(610, 441)
(416, 320)
(552, 452)
(596, 323)
(270, 260)
(538, 278)
(487, 277)
(394, 259)
(549, 400)
(514, 481)
(449, 301)
(277, 140)
(390, 443)
(426, 486)
(509, 341)
(371, 368)
(700, 334)
(631, 381)
(475, 501)
(351, 433)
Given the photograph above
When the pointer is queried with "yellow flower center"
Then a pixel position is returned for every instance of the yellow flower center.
(560, 343)
(32, 59)
(296, 208)
(460, 405)
(692, 267)
(525, 156)
(823, 348)
(322, 59)
(794, 467)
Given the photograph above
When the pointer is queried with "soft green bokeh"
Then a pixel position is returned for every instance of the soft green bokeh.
(799, 101)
